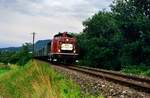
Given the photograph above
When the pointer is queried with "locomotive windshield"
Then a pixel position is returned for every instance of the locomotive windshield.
(63, 34)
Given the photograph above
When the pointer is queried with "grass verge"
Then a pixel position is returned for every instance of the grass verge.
(137, 70)
(37, 80)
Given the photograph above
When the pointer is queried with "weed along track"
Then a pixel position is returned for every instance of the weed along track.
(107, 83)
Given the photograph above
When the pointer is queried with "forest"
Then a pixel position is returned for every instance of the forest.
(118, 38)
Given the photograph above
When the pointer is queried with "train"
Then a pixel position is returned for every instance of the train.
(62, 48)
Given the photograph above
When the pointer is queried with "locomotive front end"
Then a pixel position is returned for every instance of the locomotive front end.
(64, 48)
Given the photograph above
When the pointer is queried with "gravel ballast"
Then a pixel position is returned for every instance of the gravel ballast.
(99, 86)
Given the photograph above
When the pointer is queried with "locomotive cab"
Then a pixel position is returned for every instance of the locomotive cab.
(63, 47)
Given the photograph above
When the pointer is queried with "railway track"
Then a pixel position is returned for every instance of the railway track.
(140, 84)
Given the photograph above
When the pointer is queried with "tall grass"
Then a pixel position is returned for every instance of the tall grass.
(37, 80)
(4, 68)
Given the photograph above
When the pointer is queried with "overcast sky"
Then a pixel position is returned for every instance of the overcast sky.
(19, 18)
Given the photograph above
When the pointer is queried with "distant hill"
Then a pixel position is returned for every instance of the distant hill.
(38, 45)
(10, 49)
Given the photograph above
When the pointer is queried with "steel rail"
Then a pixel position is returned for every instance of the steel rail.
(140, 84)
(140, 79)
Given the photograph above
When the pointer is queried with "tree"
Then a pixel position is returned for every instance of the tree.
(133, 21)
(101, 24)
(24, 54)
(97, 40)
(143, 6)
(118, 38)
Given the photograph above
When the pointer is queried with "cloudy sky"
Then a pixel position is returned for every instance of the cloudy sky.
(19, 18)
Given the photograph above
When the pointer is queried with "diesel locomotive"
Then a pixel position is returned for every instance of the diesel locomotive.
(62, 48)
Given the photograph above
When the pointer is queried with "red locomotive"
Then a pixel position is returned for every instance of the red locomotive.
(61, 48)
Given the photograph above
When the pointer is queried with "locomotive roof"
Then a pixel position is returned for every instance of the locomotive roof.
(61, 34)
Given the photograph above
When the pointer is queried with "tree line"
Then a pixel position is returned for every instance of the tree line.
(118, 38)
(20, 57)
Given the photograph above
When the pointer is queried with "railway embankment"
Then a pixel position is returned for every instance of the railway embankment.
(38, 79)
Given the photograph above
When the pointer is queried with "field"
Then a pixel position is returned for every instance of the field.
(37, 80)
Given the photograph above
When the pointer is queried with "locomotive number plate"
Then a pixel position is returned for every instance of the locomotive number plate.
(66, 47)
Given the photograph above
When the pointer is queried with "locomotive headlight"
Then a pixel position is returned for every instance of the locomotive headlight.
(74, 51)
(59, 50)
